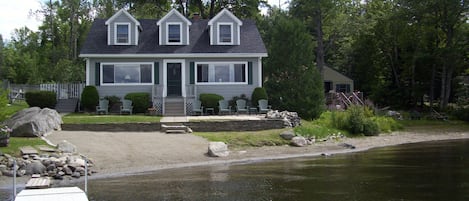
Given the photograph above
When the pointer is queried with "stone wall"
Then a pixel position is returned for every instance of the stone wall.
(204, 126)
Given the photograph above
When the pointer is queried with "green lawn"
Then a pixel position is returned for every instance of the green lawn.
(13, 108)
(246, 138)
(86, 118)
(17, 142)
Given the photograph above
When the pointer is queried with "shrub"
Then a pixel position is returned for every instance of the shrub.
(89, 98)
(339, 120)
(258, 94)
(356, 119)
(386, 124)
(210, 100)
(140, 101)
(41, 99)
(370, 128)
(461, 113)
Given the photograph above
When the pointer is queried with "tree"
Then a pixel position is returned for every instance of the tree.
(292, 81)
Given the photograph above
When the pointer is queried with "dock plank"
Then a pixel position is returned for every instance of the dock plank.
(28, 150)
(36, 183)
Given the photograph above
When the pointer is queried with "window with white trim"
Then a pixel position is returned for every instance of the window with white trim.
(225, 33)
(127, 73)
(221, 72)
(122, 33)
(174, 33)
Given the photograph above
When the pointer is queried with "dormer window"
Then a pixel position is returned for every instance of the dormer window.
(225, 33)
(122, 34)
(174, 33)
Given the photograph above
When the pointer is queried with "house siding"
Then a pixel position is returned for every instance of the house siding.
(225, 19)
(336, 78)
(174, 18)
(123, 19)
(228, 91)
(122, 90)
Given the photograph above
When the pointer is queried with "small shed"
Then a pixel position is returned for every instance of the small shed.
(335, 81)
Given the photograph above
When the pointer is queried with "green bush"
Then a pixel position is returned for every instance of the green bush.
(461, 113)
(386, 124)
(41, 99)
(339, 120)
(370, 128)
(258, 94)
(89, 98)
(356, 119)
(210, 100)
(140, 100)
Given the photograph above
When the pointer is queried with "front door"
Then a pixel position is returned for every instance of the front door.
(174, 81)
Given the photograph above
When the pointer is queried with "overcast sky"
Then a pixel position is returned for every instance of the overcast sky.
(14, 14)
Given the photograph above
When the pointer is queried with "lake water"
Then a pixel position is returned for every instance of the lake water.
(423, 171)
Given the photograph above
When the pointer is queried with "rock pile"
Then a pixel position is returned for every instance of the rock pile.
(290, 119)
(300, 141)
(54, 165)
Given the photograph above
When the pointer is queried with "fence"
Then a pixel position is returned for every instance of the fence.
(63, 90)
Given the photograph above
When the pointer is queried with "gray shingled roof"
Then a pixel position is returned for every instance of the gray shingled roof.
(96, 41)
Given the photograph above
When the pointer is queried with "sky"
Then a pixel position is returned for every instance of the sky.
(14, 14)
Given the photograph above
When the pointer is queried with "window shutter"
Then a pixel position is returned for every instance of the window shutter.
(156, 72)
(191, 73)
(250, 73)
(97, 74)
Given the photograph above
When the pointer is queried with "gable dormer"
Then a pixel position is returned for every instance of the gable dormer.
(173, 29)
(225, 29)
(122, 29)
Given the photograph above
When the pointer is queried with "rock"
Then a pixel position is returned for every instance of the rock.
(34, 122)
(51, 167)
(299, 141)
(218, 149)
(20, 173)
(76, 175)
(290, 119)
(66, 147)
(3, 167)
(58, 177)
(347, 145)
(67, 171)
(35, 167)
(287, 135)
(25, 157)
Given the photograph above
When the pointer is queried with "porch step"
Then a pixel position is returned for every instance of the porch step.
(172, 129)
(66, 105)
(174, 107)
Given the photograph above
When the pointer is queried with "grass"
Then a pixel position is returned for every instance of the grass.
(17, 142)
(316, 128)
(13, 108)
(87, 118)
(435, 125)
(246, 139)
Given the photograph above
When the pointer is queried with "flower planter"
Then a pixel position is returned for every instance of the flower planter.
(4, 141)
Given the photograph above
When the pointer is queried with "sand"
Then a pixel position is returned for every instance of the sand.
(123, 153)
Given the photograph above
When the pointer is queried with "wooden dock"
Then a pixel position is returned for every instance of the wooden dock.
(38, 183)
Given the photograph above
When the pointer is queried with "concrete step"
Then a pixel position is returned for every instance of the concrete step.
(172, 128)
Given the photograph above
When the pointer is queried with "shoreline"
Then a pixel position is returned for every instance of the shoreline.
(245, 155)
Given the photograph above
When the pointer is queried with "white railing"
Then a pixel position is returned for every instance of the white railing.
(64, 90)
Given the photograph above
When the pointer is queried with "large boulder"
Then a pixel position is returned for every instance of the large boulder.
(218, 149)
(35, 167)
(287, 135)
(299, 141)
(290, 119)
(66, 147)
(34, 122)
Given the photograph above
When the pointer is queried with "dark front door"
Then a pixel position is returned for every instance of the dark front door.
(174, 79)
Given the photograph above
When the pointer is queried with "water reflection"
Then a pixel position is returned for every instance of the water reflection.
(424, 171)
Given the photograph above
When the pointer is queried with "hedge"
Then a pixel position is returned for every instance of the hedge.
(41, 99)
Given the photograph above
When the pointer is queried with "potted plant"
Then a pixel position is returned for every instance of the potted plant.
(4, 136)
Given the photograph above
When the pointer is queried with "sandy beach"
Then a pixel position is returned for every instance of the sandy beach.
(135, 152)
(124, 153)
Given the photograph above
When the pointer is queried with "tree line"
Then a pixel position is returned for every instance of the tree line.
(398, 52)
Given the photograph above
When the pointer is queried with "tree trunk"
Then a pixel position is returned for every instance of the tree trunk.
(212, 9)
(432, 85)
